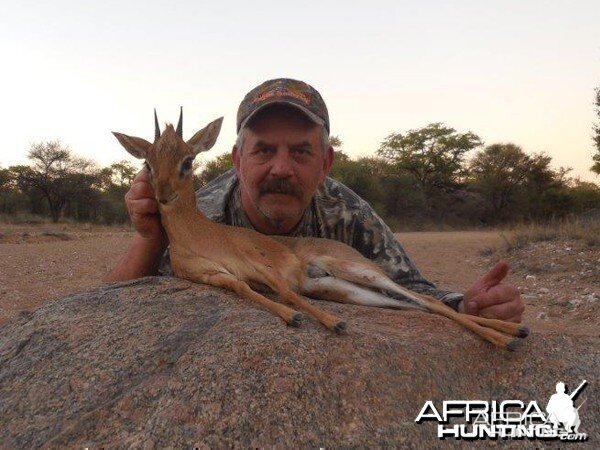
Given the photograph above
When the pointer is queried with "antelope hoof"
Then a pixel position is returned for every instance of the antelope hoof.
(296, 320)
(523, 332)
(340, 327)
(513, 345)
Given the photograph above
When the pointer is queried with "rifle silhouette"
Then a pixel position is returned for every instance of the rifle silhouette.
(576, 391)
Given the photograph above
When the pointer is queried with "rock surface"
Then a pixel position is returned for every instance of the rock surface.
(163, 362)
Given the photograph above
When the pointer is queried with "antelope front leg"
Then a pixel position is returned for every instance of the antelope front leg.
(241, 288)
(329, 320)
(280, 286)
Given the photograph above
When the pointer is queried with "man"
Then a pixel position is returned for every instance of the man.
(279, 186)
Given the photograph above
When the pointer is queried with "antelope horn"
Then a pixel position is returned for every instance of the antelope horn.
(180, 123)
(156, 127)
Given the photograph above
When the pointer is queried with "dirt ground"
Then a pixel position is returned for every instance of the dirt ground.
(559, 281)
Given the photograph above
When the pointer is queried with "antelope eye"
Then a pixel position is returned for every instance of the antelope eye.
(186, 166)
(147, 166)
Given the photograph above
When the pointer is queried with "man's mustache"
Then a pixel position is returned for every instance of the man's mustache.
(279, 186)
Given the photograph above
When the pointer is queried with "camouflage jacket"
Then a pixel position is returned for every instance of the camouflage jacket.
(335, 212)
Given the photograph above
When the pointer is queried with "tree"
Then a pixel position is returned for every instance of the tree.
(58, 175)
(335, 142)
(546, 189)
(515, 184)
(84, 195)
(7, 188)
(115, 181)
(22, 179)
(212, 169)
(119, 174)
(497, 173)
(596, 157)
(433, 155)
(585, 196)
(5, 179)
(362, 176)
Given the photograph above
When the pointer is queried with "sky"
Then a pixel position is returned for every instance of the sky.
(511, 71)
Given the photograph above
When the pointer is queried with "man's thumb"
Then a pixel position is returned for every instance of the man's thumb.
(496, 274)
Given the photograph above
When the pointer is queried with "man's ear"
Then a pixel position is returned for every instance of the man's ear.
(235, 158)
(327, 162)
(204, 139)
(136, 146)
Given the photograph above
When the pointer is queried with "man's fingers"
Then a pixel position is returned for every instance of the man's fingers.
(503, 311)
(143, 206)
(471, 306)
(489, 298)
(142, 175)
(490, 281)
(495, 275)
(497, 295)
(140, 189)
(516, 319)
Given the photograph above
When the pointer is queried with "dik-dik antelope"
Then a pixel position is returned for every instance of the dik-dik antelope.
(236, 258)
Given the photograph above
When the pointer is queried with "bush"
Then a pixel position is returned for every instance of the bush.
(568, 229)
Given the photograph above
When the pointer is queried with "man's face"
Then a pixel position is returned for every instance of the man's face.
(280, 167)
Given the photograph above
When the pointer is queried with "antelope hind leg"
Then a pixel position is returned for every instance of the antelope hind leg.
(514, 329)
(366, 274)
(335, 289)
(342, 291)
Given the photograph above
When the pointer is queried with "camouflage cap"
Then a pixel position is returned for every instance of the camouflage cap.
(287, 91)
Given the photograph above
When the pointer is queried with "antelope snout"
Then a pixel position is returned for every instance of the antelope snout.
(164, 194)
(166, 200)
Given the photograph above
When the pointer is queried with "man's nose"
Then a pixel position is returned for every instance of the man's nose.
(282, 165)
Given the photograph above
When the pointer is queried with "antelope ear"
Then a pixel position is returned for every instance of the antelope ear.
(204, 139)
(136, 146)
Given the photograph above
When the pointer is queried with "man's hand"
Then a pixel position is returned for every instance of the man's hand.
(143, 208)
(143, 255)
(489, 298)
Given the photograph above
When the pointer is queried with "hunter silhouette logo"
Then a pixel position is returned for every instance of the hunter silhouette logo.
(561, 410)
(508, 419)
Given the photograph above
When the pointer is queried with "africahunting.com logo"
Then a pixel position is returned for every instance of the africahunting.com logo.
(508, 419)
